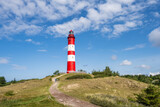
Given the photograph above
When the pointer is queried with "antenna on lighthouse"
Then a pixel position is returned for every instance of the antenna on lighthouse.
(71, 53)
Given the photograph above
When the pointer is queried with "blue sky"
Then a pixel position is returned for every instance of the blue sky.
(122, 34)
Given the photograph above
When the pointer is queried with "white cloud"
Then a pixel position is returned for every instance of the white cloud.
(31, 41)
(17, 26)
(32, 16)
(114, 57)
(156, 14)
(154, 37)
(18, 67)
(135, 47)
(153, 74)
(152, 1)
(77, 25)
(119, 28)
(143, 66)
(106, 29)
(65, 48)
(42, 50)
(126, 62)
(3, 60)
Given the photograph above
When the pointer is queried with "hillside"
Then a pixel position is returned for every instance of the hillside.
(27, 94)
(36, 92)
(112, 86)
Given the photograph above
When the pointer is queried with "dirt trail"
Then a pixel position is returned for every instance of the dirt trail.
(65, 99)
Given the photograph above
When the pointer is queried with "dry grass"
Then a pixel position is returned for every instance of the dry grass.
(114, 86)
(27, 89)
(28, 93)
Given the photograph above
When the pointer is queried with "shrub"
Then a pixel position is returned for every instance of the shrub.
(56, 72)
(150, 96)
(9, 93)
(80, 76)
(105, 73)
(2, 81)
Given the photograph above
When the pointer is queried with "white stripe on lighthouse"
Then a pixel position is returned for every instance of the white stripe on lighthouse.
(71, 47)
(71, 57)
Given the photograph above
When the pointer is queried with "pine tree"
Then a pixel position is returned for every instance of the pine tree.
(149, 96)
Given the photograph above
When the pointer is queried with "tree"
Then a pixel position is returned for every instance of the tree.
(150, 96)
(56, 72)
(81, 70)
(2, 81)
(107, 71)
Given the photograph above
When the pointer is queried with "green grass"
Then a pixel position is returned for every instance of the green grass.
(79, 76)
(105, 100)
(39, 101)
(31, 93)
(112, 86)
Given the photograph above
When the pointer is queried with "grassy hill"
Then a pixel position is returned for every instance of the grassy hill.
(35, 92)
(111, 86)
(28, 94)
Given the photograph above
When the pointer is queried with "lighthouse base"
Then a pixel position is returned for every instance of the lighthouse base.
(71, 72)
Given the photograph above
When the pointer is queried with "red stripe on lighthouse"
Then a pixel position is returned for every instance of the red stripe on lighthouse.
(71, 52)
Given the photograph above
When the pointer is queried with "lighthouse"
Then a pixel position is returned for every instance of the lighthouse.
(71, 53)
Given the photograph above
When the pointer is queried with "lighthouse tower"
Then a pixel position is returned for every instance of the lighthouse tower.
(71, 53)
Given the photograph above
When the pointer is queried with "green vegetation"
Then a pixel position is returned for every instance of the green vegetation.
(149, 96)
(105, 73)
(2, 81)
(79, 76)
(9, 93)
(30, 93)
(105, 100)
(39, 101)
(145, 78)
(113, 86)
(56, 72)
(81, 71)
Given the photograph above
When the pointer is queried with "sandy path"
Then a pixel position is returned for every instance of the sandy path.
(65, 99)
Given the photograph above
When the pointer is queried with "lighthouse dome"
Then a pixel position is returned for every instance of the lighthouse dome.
(71, 32)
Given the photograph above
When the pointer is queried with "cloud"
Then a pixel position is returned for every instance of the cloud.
(18, 67)
(135, 47)
(3, 60)
(31, 41)
(42, 50)
(78, 25)
(17, 26)
(156, 14)
(33, 17)
(119, 28)
(114, 57)
(126, 62)
(65, 48)
(143, 66)
(153, 74)
(154, 37)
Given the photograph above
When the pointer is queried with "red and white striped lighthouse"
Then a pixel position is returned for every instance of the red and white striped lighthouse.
(71, 53)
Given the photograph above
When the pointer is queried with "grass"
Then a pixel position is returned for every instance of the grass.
(105, 100)
(28, 94)
(113, 86)
(79, 76)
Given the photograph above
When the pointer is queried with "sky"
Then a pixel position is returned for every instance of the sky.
(121, 34)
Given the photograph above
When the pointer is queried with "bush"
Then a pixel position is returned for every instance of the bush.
(56, 72)
(2, 81)
(150, 96)
(80, 76)
(105, 73)
(9, 93)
